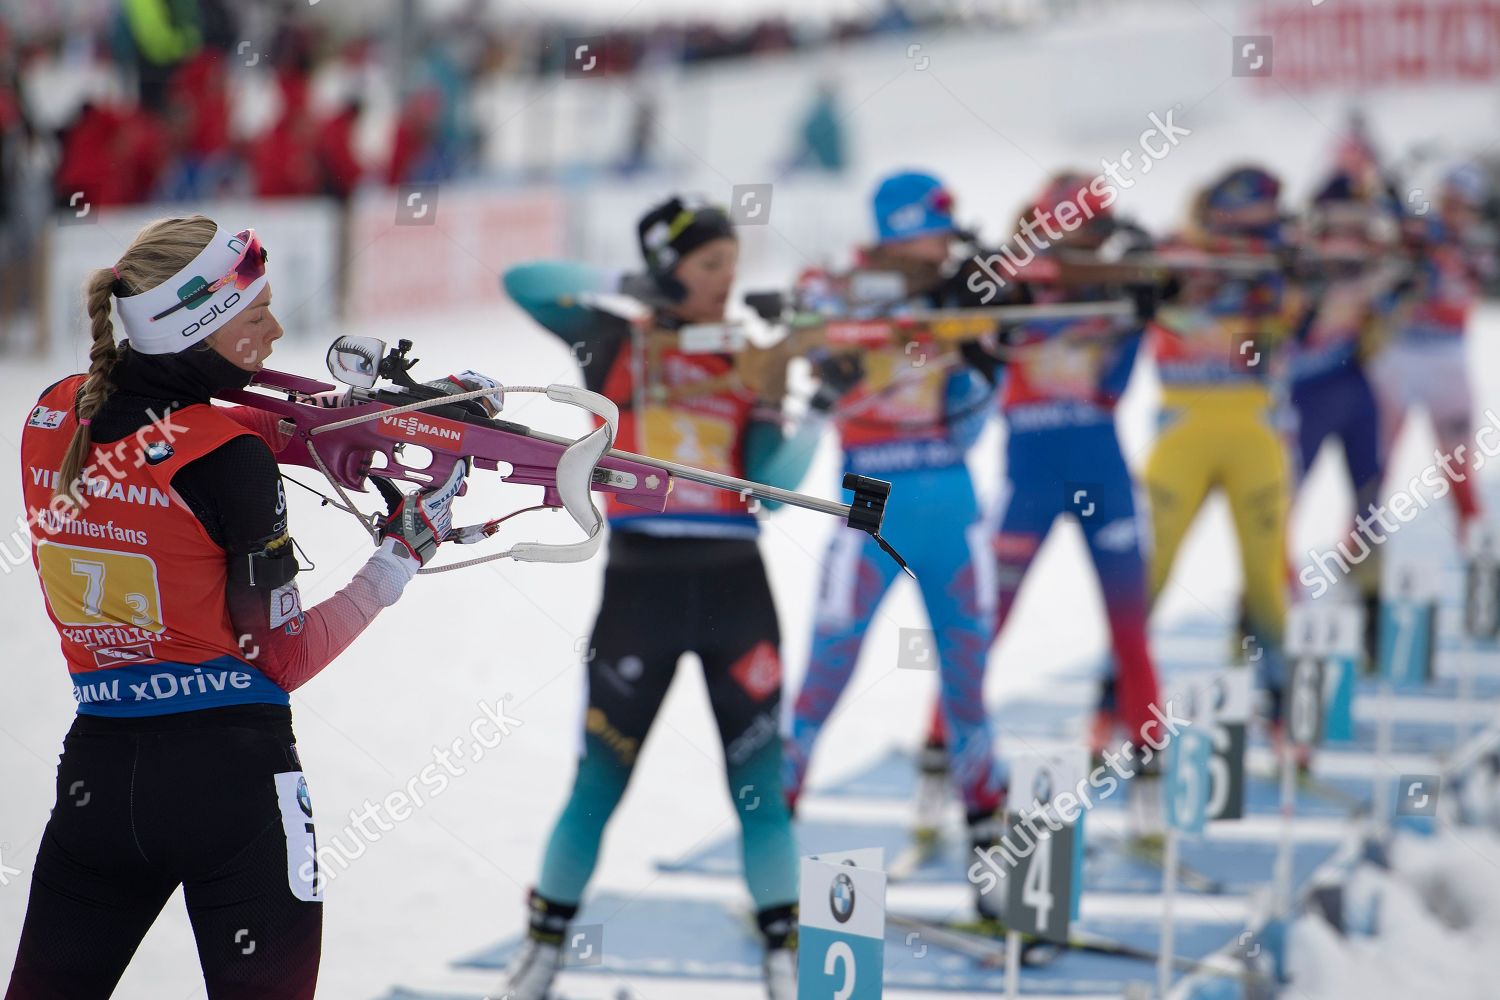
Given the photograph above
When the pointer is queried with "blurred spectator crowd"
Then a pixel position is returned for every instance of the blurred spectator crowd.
(172, 100)
(188, 99)
(117, 102)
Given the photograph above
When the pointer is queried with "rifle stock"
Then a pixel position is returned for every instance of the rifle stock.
(448, 432)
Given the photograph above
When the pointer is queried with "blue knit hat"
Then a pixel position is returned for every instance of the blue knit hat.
(1242, 188)
(1466, 182)
(912, 204)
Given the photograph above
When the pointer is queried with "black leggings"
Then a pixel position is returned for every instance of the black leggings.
(664, 597)
(146, 805)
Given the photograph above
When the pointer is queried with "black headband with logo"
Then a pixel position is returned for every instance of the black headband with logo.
(675, 228)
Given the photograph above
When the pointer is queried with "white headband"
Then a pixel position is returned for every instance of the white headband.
(187, 326)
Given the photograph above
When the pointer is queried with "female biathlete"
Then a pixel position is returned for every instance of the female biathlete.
(1350, 299)
(689, 579)
(160, 538)
(1426, 364)
(911, 420)
(1063, 379)
(1213, 341)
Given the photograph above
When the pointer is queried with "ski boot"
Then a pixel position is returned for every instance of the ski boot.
(537, 962)
(1101, 733)
(1282, 743)
(986, 831)
(778, 926)
(780, 968)
(1143, 801)
(1371, 634)
(933, 782)
(1103, 724)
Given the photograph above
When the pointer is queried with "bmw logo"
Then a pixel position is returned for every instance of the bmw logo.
(158, 451)
(304, 800)
(841, 898)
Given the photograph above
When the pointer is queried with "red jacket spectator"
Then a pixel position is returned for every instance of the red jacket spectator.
(284, 161)
(295, 88)
(341, 168)
(412, 142)
(200, 89)
(143, 145)
(89, 164)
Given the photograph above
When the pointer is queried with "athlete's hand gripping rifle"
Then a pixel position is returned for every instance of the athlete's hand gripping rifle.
(366, 435)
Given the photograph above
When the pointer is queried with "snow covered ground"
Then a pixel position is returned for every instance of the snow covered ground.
(451, 878)
(1438, 920)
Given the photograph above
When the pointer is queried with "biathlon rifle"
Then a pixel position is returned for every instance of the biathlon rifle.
(377, 431)
(761, 362)
(944, 325)
(1155, 266)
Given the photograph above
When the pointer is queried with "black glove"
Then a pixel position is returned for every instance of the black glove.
(837, 373)
(981, 360)
(1146, 296)
(769, 306)
(422, 521)
(1124, 239)
(1169, 289)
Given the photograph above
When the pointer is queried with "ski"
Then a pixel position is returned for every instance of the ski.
(1312, 785)
(984, 941)
(1149, 849)
(932, 798)
(1326, 790)
(926, 844)
(986, 948)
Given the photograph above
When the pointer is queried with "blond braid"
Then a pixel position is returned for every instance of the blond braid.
(102, 358)
(159, 251)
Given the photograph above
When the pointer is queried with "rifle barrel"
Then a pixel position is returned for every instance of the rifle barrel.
(744, 487)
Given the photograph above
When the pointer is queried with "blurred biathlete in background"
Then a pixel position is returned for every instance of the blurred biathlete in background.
(1353, 225)
(160, 538)
(687, 580)
(910, 418)
(1063, 378)
(1425, 364)
(1214, 338)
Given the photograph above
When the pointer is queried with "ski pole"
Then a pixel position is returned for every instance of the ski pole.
(1281, 879)
(1168, 928)
(1012, 965)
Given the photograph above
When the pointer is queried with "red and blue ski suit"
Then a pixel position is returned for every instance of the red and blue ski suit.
(1062, 380)
(911, 422)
